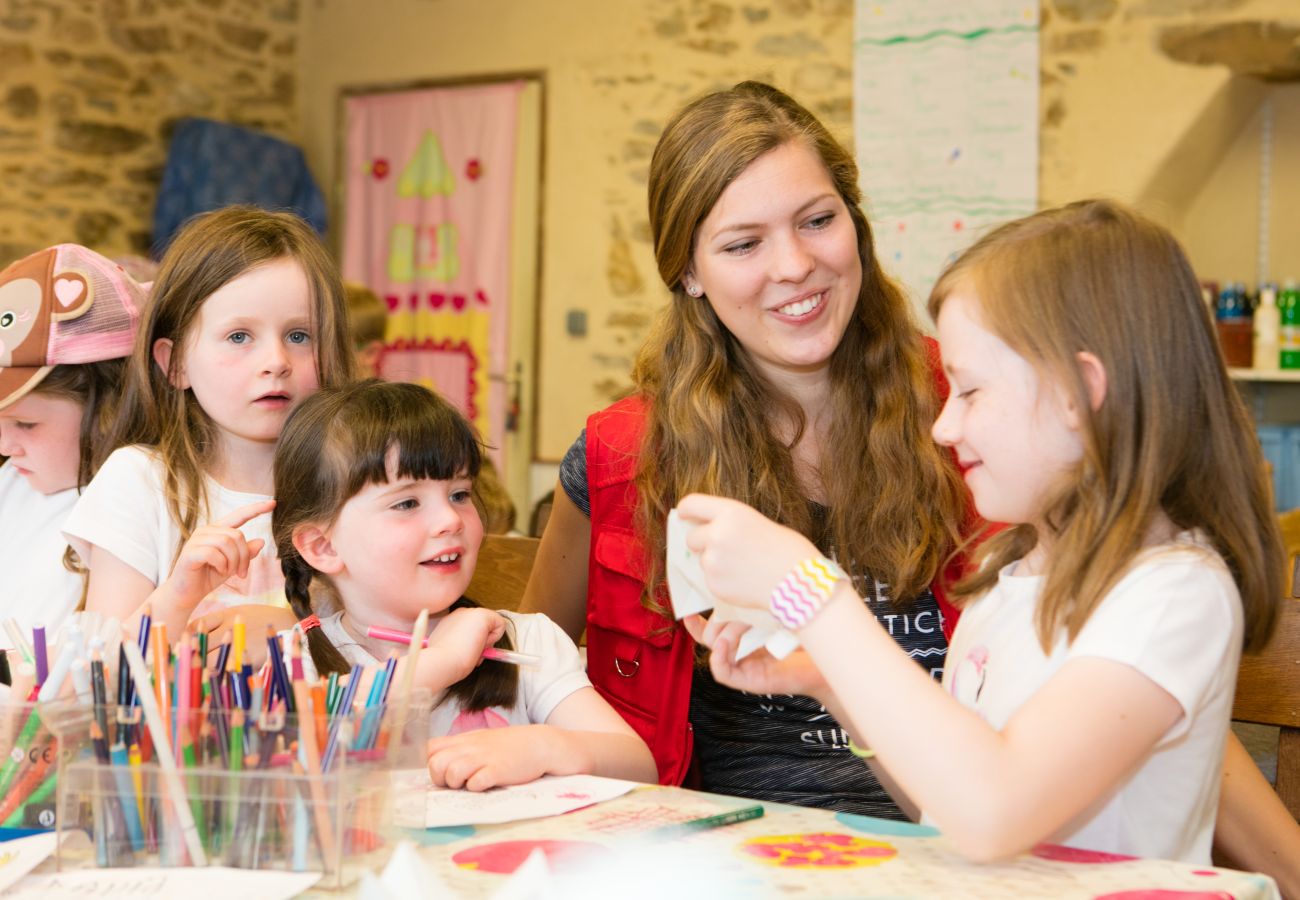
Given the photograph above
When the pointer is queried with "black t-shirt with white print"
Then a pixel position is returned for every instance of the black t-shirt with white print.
(787, 748)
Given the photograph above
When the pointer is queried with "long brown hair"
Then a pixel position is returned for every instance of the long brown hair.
(211, 251)
(337, 442)
(895, 501)
(1094, 276)
(96, 387)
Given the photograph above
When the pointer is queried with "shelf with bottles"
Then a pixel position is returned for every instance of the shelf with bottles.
(1281, 376)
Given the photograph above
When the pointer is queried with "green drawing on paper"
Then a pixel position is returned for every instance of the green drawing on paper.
(427, 253)
(427, 174)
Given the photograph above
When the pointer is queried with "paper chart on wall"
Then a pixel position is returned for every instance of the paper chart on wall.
(945, 112)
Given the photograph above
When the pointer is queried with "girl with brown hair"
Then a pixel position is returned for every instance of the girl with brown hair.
(247, 320)
(1090, 682)
(59, 386)
(786, 372)
(374, 486)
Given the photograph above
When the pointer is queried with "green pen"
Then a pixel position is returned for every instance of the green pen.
(731, 817)
(19, 752)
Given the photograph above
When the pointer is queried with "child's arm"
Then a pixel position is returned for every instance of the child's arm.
(455, 648)
(761, 673)
(213, 554)
(993, 793)
(582, 735)
(1253, 826)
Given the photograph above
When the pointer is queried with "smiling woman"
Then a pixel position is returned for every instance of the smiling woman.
(785, 372)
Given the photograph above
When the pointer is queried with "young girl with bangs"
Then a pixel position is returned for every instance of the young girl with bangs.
(374, 487)
(1089, 683)
(247, 321)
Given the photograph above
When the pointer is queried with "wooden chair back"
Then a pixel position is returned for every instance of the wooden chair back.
(1268, 693)
(504, 563)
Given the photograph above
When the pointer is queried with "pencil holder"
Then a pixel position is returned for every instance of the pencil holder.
(266, 791)
(34, 739)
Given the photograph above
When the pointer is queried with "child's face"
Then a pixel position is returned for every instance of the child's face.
(405, 545)
(250, 356)
(1015, 435)
(41, 435)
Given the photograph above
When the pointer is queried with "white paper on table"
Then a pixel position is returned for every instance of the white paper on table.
(547, 796)
(210, 883)
(690, 594)
(21, 855)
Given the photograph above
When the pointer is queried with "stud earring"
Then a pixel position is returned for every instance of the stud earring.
(694, 290)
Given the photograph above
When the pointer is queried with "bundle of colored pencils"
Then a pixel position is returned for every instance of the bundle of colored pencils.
(202, 757)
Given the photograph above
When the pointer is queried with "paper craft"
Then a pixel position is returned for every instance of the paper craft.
(211, 883)
(18, 857)
(687, 587)
(547, 796)
(406, 877)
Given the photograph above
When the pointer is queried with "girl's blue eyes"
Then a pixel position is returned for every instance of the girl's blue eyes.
(240, 338)
(461, 497)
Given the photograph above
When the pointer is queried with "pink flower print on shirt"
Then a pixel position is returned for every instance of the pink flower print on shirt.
(473, 721)
(968, 680)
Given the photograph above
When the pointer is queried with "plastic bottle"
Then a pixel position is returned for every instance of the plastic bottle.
(1288, 307)
(1232, 321)
(1268, 330)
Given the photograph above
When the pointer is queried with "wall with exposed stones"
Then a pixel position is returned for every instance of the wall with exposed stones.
(1121, 116)
(91, 89)
(1133, 105)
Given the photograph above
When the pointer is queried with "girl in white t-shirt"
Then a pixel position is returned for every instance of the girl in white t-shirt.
(1087, 691)
(68, 316)
(374, 498)
(247, 320)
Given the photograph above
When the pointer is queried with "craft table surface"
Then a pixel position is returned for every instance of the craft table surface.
(798, 852)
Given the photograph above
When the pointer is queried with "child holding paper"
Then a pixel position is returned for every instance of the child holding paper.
(1088, 689)
(373, 487)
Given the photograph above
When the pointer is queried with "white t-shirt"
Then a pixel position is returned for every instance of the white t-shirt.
(1176, 618)
(541, 687)
(124, 511)
(35, 588)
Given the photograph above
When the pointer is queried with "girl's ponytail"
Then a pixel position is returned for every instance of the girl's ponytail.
(297, 587)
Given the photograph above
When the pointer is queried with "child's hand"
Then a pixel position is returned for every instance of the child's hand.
(759, 672)
(744, 554)
(213, 554)
(456, 646)
(492, 757)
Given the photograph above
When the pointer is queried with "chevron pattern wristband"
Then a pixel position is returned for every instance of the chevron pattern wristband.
(804, 591)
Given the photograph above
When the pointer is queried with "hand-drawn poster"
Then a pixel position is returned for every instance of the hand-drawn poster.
(429, 196)
(945, 113)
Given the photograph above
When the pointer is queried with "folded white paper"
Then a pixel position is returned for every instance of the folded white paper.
(690, 594)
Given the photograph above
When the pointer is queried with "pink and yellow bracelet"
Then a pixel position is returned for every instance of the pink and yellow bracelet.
(801, 594)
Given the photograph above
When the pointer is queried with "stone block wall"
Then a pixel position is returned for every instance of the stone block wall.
(90, 91)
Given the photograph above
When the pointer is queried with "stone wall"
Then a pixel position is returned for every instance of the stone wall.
(90, 91)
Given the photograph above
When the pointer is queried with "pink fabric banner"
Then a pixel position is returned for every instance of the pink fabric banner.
(429, 193)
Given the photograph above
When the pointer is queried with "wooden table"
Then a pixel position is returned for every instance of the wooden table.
(791, 852)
